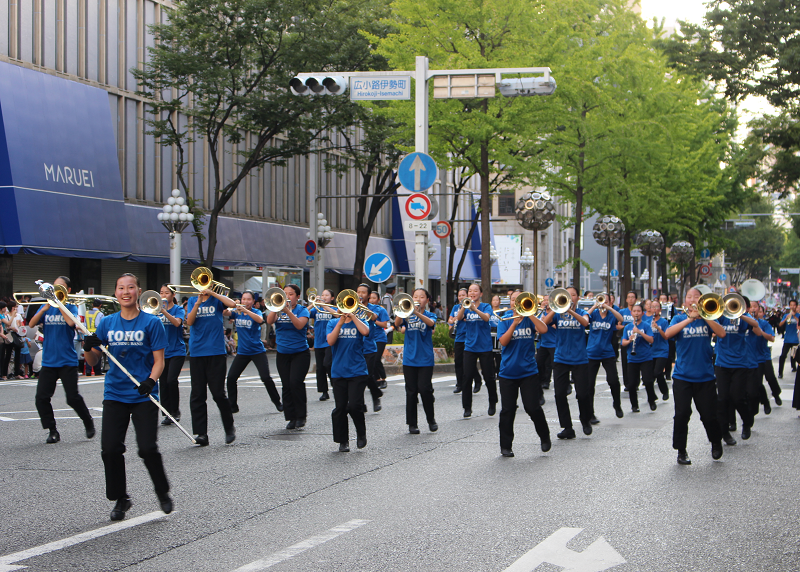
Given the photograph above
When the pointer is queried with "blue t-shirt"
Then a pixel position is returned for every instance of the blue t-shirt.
(601, 331)
(646, 318)
(321, 319)
(732, 349)
(348, 352)
(518, 359)
(418, 341)
(570, 339)
(59, 346)
(206, 336)
(752, 348)
(288, 339)
(461, 331)
(762, 347)
(548, 340)
(627, 318)
(370, 347)
(248, 332)
(660, 345)
(376, 333)
(176, 347)
(790, 333)
(693, 351)
(644, 351)
(132, 342)
(479, 333)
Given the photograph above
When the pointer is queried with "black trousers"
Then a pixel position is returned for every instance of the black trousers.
(372, 365)
(544, 363)
(418, 381)
(348, 398)
(625, 375)
(732, 393)
(168, 392)
(670, 358)
(660, 373)
(785, 350)
(380, 372)
(610, 367)
(458, 363)
(530, 389)
(262, 365)
(46, 387)
(293, 369)
(116, 416)
(704, 395)
(323, 369)
(497, 358)
(583, 392)
(8, 351)
(487, 368)
(756, 394)
(767, 372)
(208, 374)
(643, 370)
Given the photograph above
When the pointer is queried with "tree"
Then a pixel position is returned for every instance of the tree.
(219, 73)
(752, 251)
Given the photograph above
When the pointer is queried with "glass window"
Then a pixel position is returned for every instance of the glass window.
(505, 205)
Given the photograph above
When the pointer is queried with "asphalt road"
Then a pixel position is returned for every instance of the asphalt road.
(287, 500)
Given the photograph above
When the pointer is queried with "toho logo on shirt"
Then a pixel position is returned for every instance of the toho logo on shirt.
(522, 333)
(569, 323)
(125, 338)
(601, 325)
(57, 320)
(351, 333)
(206, 311)
(244, 323)
(415, 324)
(731, 328)
(472, 316)
(695, 331)
(324, 316)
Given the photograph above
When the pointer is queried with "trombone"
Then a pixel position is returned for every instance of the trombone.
(151, 301)
(710, 306)
(560, 300)
(314, 302)
(65, 298)
(733, 306)
(525, 305)
(404, 305)
(275, 299)
(202, 279)
(347, 303)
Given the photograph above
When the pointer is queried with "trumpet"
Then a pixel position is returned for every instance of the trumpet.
(347, 303)
(733, 306)
(560, 300)
(150, 302)
(525, 305)
(404, 305)
(710, 306)
(601, 299)
(467, 303)
(202, 279)
(275, 299)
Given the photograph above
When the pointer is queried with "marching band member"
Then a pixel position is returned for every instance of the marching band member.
(765, 370)
(349, 375)
(627, 318)
(249, 348)
(660, 348)
(458, 347)
(693, 378)
(322, 351)
(172, 316)
(603, 320)
(380, 338)
(477, 346)
(494, 320)
(207, 363)
(137, 340)
(59, 361)
(790, 338)
(294, 357)
(519, 375)
(545, 350)
(371, 347)
(570, 357)
(637, 337)
(418, 360)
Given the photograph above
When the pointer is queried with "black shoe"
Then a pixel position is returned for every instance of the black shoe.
(507, 452)
(457, 390)
(778, 400)
(477, 387)
(230, 436)
(291, 424)
(344, 448)
(166, 503)
(53, 437)
(618, 411)
(119, 510)
(767, 408)
(413, 429)
(545, 386)
(433, 427)
(468, 413)
(665, 396)
(383, 384)
(731, 426)
(635, 409)
(746, 433)
(234, 408)
(683, 458)
(780, 376)
(569, 390)
(324, 396)
(669, 377)
(279, 407)
(361, 441)
(166, 421)
(567, 434)
(716, 451)
(201, 440)
(300, 423)
(541, 400)
(492, 409)
(546, 445)
(587, 428)
(364, 408)
(594, 420)
(653, 406)
(730, 441)
(376, 404)
(794, 369)
(90, 431)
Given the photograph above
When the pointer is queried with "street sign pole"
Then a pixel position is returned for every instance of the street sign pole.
(317, 277)
(421, 146)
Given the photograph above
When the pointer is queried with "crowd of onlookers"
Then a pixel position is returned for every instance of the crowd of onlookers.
(17, 344)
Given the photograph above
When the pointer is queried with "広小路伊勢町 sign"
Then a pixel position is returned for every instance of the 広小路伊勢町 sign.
(376, 88)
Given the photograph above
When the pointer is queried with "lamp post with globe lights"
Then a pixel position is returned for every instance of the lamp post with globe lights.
(650, 243)
(681, 252)
(535, 211)
(175, 217)
(526, 262)
(324, 236)
(608, 231)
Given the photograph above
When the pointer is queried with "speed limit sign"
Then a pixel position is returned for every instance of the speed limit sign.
(442, 229)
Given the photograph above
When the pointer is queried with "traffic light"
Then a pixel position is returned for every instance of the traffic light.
(318, 85)
(525, 86)
(779, 280)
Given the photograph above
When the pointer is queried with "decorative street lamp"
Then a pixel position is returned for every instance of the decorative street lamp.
(535, 211)
(682, 253)
(324, 238)
(650, 243)
(608, 231)
(432, 250)
(526, 262)
(175, 217)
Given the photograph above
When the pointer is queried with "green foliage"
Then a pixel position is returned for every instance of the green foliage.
(751, 251)
(442, 339)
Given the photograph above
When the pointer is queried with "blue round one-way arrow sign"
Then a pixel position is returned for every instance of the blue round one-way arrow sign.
(417, 172)
(378, 267)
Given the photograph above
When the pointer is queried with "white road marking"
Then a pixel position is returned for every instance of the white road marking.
(300, 547)
(598, 556)
(8, 562)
